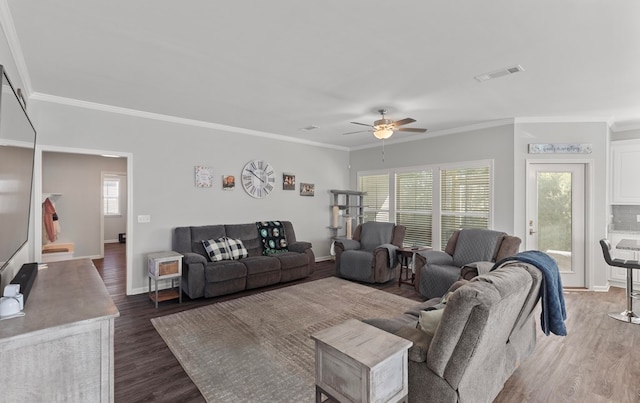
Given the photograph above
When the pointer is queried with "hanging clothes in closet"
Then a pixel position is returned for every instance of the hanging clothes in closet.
(51, 223)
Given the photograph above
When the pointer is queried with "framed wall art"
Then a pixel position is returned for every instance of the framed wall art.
(204, 176)
(307, 189)
(561, 148)
(288, 182)
(228, 182)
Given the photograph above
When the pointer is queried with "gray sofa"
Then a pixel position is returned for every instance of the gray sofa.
(204, 278)
(485, 331)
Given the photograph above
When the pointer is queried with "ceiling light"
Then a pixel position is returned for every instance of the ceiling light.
(383, 133)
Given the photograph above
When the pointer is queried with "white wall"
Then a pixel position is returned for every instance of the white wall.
(595, 133)
(495, 143)
(163, 158)
(77, 177)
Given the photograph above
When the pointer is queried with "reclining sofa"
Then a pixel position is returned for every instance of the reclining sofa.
(371, 255)
(479, 338)
(467, 251)
(202, 277)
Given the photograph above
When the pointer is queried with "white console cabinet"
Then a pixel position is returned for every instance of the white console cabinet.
(625, 165)
(62, 349)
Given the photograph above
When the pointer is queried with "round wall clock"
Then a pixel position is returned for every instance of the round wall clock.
(258, 178)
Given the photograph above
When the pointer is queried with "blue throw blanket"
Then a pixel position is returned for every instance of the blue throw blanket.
(553, 311)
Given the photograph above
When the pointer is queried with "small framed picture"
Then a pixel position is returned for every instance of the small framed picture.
(228, 182)
(288, 182)
(204, 176)
(307, 189)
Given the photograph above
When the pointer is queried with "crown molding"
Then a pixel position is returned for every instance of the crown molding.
(617, 127)
(174, 119)
(10, 33)
(564, 119)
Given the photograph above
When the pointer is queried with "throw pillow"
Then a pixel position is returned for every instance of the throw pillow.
(430, 317)
(216, 249)
(236, 248)
(273, 237)
(429, 321)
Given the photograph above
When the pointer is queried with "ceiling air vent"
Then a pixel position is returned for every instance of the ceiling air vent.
(499, 73)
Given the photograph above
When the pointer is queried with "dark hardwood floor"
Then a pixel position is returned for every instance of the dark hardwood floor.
(599, 361)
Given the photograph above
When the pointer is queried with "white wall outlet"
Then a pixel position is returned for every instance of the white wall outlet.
(638, 218)
(142, 219)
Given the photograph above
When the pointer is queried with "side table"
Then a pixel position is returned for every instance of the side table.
(165, 265)
(356, 362)
(407, 257)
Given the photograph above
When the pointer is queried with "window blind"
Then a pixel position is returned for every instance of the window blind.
(414, 206)
(111, 196)
(376, 201)
(465, 199)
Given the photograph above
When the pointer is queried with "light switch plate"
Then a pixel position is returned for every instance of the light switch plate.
(144, 219)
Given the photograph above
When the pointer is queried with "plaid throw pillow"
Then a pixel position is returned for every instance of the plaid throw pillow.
(216, 249)
(236, 248)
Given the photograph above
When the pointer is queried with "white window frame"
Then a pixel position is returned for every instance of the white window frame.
(436, 202)
(116, 178)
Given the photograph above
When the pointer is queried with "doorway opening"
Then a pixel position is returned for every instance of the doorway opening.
(74, 179)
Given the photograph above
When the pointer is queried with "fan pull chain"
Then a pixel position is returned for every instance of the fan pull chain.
(382, 150)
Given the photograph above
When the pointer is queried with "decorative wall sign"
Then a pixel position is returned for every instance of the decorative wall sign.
(204, 176)
(228, 182)
(568, 148)
(288, 182)
(307, 189)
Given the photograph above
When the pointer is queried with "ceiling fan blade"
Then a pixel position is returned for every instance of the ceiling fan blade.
(362, 124)
(403, 121)
(410, 129)
(359, 131)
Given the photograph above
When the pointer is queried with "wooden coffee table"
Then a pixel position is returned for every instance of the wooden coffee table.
(356, 362)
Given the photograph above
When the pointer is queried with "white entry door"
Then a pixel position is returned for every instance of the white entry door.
(556, 217)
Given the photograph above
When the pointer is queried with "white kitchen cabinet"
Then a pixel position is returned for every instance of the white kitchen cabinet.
(625, 172)
(619, 274)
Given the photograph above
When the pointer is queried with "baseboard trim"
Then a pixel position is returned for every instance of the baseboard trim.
(602, 288)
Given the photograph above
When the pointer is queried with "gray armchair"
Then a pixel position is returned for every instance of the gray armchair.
(468, 252)
(371, 256)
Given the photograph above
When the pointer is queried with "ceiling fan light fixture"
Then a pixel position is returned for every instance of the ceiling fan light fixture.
(383, 133)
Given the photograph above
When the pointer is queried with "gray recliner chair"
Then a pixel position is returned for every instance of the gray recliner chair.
(469, 252)
(371, 256)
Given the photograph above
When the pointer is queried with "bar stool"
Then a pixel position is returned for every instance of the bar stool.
(627, 315)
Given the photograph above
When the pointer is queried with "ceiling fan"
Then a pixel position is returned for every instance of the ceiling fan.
(384, 128)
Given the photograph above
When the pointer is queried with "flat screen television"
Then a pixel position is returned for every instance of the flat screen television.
(17, 151)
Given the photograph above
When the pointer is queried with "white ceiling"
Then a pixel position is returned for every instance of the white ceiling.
(280, 65)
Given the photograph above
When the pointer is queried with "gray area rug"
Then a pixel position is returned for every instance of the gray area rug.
(258, 348)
